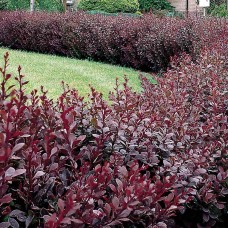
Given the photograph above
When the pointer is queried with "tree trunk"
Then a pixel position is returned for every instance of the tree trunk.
(187, 8)
(64, 6)
(32, 5)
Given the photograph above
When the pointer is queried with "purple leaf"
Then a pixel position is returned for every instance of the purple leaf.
(39, 174)
(17, 147)
(115, 223)
(77, 221)
(19, 172)
(115, 202)
(66, 221)
(61, 204)
(200, 171)
(125, 213)
(13, 222)
(28, 221)
(54, 151)
(9, 172)
(107, 209)
(119, 184)
(16, 212)
(161, 225)
(6, 199)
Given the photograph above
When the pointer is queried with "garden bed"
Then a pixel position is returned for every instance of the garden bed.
(151, 159)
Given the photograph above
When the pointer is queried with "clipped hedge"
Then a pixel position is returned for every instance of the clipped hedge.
(144, 43)
(109, 6)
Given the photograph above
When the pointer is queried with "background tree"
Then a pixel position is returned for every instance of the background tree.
(110, 6)
(49, 5)
(18, 4)
(218, 8)
(32, 5)
(147, 5)
(64, 5)
(3, 4)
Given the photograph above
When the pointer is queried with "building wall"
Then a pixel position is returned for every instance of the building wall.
(180, 5)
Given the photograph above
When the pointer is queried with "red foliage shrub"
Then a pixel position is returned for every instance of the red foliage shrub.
(145, 43)
(155, 159)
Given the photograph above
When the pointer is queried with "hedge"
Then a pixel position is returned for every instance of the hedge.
(144, 43)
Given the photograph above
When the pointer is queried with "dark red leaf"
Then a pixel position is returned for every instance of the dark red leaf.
(6, 199)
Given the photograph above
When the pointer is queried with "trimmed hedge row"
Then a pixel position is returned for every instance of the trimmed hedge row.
(144, 43)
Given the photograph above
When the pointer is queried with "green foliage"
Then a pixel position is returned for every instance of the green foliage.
(18, 5)
(110, 6)
(3, 4)
(146, 5)
(46, 5)
(49, 5)
(136, 14)
(219, 11)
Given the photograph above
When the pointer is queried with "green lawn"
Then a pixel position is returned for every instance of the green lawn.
(49, 71)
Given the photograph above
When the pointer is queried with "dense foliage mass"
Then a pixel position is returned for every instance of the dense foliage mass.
(46, 5)
(18, 5)
(154, 159)
(49, 5)
(219, 11)
(147, 5)
(3, 4)
(145, 43)
(109, 6)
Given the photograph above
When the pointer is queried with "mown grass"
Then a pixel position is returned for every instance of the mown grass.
(50, 70)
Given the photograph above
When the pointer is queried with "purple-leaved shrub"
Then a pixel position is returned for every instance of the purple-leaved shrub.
(151, 159)
(144, 43)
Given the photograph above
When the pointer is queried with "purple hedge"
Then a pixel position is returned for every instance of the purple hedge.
(145, 43)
